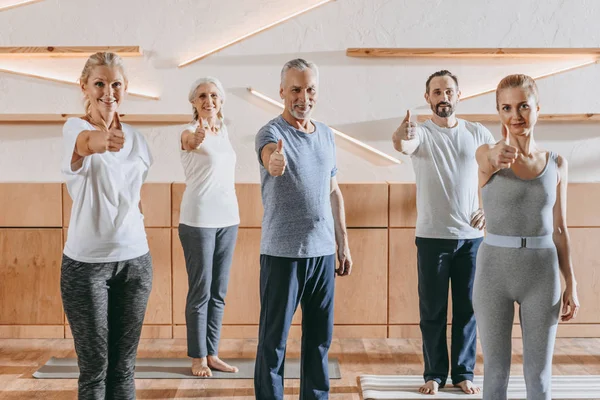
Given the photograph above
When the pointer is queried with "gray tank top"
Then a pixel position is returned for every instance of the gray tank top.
(521, 207)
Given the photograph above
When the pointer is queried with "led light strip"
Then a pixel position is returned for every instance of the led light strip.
(18, 4)
(340, 134)
(60, 80)
(264, 28)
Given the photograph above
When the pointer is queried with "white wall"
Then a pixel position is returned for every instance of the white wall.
(366, 98)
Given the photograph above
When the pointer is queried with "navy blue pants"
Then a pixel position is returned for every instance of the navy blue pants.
(285, 283)
(441, 261)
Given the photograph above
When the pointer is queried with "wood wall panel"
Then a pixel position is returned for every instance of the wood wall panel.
(156, 204)
(159, 304)
(403, 205)
(30, 261)
(177, 190)
(242, 303)
(361, 298)
(404, 296)
(366, 204)
(30, 205)
(31, 332)
(148, 332)
(582, 204)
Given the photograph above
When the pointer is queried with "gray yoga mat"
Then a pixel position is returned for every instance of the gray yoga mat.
(175, 368)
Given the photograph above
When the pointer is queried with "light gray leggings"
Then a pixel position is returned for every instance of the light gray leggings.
(529, 277)
(208, 255)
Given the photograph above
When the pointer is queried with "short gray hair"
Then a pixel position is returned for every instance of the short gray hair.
(300, 65)
(202, 81)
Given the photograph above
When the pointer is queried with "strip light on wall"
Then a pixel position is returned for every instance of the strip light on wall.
(18, 4)
(559, 71)
(340, 134)
(257, 31)
(61, 80)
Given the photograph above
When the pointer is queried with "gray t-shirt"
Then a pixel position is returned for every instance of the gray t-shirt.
(297, 220)
(446, 177)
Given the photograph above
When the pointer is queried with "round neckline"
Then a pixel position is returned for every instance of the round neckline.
(541, 174)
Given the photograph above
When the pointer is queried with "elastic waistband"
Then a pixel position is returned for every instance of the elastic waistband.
(531, 242)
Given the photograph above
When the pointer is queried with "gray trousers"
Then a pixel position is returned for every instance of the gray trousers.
(105, 304)
(208, 254)
(529, 277)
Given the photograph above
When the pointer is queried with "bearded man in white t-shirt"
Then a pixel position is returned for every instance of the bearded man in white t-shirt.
(449, 230)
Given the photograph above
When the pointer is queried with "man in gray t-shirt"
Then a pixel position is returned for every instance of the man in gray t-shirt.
(303, 222)
(448, 232)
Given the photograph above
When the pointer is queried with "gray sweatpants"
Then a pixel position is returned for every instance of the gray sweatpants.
(208, 254)
(105, 305)
(529, 277)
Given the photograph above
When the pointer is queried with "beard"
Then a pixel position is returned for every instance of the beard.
(443, 109)
(299, 114)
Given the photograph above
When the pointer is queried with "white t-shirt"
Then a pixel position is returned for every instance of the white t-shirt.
(446, 177)
(106, 222)
(209, 200)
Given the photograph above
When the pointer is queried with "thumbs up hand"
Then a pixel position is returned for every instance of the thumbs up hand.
(503, 155)
(277, 161)
(407, 129)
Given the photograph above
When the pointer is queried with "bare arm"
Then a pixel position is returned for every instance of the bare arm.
(273, 158)
(341, 233)
(405, 138)
(563, 243)
(486, 168)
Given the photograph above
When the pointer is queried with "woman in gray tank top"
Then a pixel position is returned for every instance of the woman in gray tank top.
(524, 192)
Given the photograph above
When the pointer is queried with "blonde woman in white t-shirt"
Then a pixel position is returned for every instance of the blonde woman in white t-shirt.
(208, 224)
(106, 272)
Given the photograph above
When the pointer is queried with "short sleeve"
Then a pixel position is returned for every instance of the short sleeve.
(267, 134)
(71, 130)
(486, 135)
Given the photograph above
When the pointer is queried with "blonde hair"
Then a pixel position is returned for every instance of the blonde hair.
(518, 81)
(220, 92)
(100, 59)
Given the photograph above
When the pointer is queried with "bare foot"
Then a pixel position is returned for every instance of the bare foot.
(216, 363)
(468, 387)
(430, 387)
(200, 367)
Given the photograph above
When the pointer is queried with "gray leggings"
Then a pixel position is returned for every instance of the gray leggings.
(208, 255)
(529, 277)
(105, 305)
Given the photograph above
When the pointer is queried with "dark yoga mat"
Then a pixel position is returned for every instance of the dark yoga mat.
(175, 368)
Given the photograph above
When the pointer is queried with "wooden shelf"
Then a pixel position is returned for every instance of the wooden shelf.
(68, 51)
(473, 52)
(542, 118)
(128, 118)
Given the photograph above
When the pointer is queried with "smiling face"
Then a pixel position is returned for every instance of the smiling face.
(518, 110)
(299, 92)
(104, 89)
(207, 101)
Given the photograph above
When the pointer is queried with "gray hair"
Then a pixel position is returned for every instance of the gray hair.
(300, 65)
(220, 91)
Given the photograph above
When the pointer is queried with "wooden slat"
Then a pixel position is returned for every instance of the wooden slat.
(251, 332)
(366, 204)
(156, 204)
(483, 118)
(361, 298)
(30, 205)
(473, 52)
(68, 51)
(250, 203)
(128, 118)
(31, 332)
(403, 205)
(404, 296)
(412, 331)
(30, 262)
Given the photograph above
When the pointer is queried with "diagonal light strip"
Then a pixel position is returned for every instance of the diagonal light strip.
(340, 134)
(259, 30)
(60, 80)
(18, 4)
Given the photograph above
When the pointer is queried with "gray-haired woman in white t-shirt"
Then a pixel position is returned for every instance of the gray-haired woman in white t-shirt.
(208, 223)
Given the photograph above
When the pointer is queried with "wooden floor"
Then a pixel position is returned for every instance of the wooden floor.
(19, 358)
